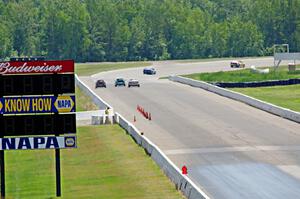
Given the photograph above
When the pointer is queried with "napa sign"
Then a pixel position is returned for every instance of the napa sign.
(42, 104)
(25, 143)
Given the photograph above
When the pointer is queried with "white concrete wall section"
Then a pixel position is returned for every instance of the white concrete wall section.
(182, 182)
(86, 115)
(96, 99)
(271, 108)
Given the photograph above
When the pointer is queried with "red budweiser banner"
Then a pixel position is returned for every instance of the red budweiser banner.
(17, 67)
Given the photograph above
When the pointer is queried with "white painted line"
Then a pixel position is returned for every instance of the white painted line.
(232, 149)
(293, 170)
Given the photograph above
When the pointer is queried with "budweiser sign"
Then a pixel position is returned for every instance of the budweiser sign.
(16, 67)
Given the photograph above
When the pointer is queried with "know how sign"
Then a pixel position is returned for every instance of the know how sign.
(43, 104)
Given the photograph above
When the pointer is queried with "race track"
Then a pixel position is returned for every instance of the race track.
(232, 150)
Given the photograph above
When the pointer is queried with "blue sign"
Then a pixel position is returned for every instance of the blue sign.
(25, 143)
(42, 104)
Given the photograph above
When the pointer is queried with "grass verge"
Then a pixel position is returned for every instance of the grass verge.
(284, 96)
(106, 164)
(245, 75)
(83, 102)
(209, 59)
(92, 68)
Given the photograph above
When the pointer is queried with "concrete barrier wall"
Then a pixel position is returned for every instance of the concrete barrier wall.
(96, 99)
(271, 108)
(182, 182)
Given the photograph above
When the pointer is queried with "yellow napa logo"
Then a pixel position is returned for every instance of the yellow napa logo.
(64, 104)
(1, 106)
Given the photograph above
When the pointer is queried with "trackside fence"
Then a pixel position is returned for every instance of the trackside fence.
(182, 182)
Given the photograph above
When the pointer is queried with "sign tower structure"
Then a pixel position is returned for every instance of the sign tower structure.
(37, 103)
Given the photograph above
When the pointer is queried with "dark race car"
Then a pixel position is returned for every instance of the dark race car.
(149, 71)
(100, 83)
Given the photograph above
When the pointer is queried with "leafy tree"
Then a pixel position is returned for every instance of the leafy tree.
(244, 39)
(23, 24)
(216, 37)
(5, 41)
(66, 31)
(114, 30)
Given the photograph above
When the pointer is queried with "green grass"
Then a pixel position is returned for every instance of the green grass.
(208, 59)
(214, 59)
(92, 68)
(245, 75)
(284, 96)
(83, 102)
(106, 164)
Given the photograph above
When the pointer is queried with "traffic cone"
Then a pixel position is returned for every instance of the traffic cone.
(184, 170)
(146, 115)
(149, 116)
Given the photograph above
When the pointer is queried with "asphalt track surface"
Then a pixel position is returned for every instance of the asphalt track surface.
(232, 150)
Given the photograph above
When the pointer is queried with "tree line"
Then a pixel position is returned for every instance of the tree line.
(127, 30)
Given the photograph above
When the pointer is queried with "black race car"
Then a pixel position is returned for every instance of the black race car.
(100, 83)
(149, 71)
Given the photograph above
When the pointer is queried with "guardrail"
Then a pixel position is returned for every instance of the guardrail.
(271, 108)
(182, 182)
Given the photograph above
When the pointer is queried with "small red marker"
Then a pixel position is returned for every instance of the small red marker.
(184, 170)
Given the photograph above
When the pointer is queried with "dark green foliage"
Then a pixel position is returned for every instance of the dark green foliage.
(114, 30)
